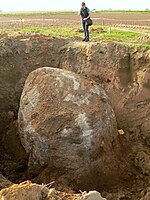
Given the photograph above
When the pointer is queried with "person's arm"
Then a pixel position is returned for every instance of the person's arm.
(79, 13)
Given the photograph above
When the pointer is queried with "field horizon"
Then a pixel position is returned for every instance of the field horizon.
(71, 12)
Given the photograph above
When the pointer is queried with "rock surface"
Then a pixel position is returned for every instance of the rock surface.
(66, 122)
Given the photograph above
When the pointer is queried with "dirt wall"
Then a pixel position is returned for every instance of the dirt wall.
(123, 72)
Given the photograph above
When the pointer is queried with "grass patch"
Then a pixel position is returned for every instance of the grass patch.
(120, 36)
(53, 31)
(125, 11)
(126, 37)
(8, 14)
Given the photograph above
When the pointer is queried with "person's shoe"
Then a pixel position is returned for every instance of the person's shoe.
(87, 40)
(84, 39)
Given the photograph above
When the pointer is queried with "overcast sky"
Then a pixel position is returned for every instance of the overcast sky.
(39, 5)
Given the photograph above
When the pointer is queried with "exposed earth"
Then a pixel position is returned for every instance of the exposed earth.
(96, 122)
(49, 20)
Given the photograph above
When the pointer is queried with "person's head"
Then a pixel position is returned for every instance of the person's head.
(83, 5)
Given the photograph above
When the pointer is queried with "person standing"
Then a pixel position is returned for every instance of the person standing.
(85, 15)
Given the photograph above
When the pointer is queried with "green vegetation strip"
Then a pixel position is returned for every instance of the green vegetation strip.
(127, 37)
(70, 12)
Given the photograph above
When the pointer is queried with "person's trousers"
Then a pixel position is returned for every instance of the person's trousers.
(86, 30)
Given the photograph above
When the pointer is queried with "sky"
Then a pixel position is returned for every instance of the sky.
(46, 5)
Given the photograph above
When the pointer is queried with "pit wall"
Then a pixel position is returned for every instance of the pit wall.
(124, 74)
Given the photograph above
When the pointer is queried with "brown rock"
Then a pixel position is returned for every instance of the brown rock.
(67, 123)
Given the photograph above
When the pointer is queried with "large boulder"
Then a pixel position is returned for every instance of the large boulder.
(67, 123)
